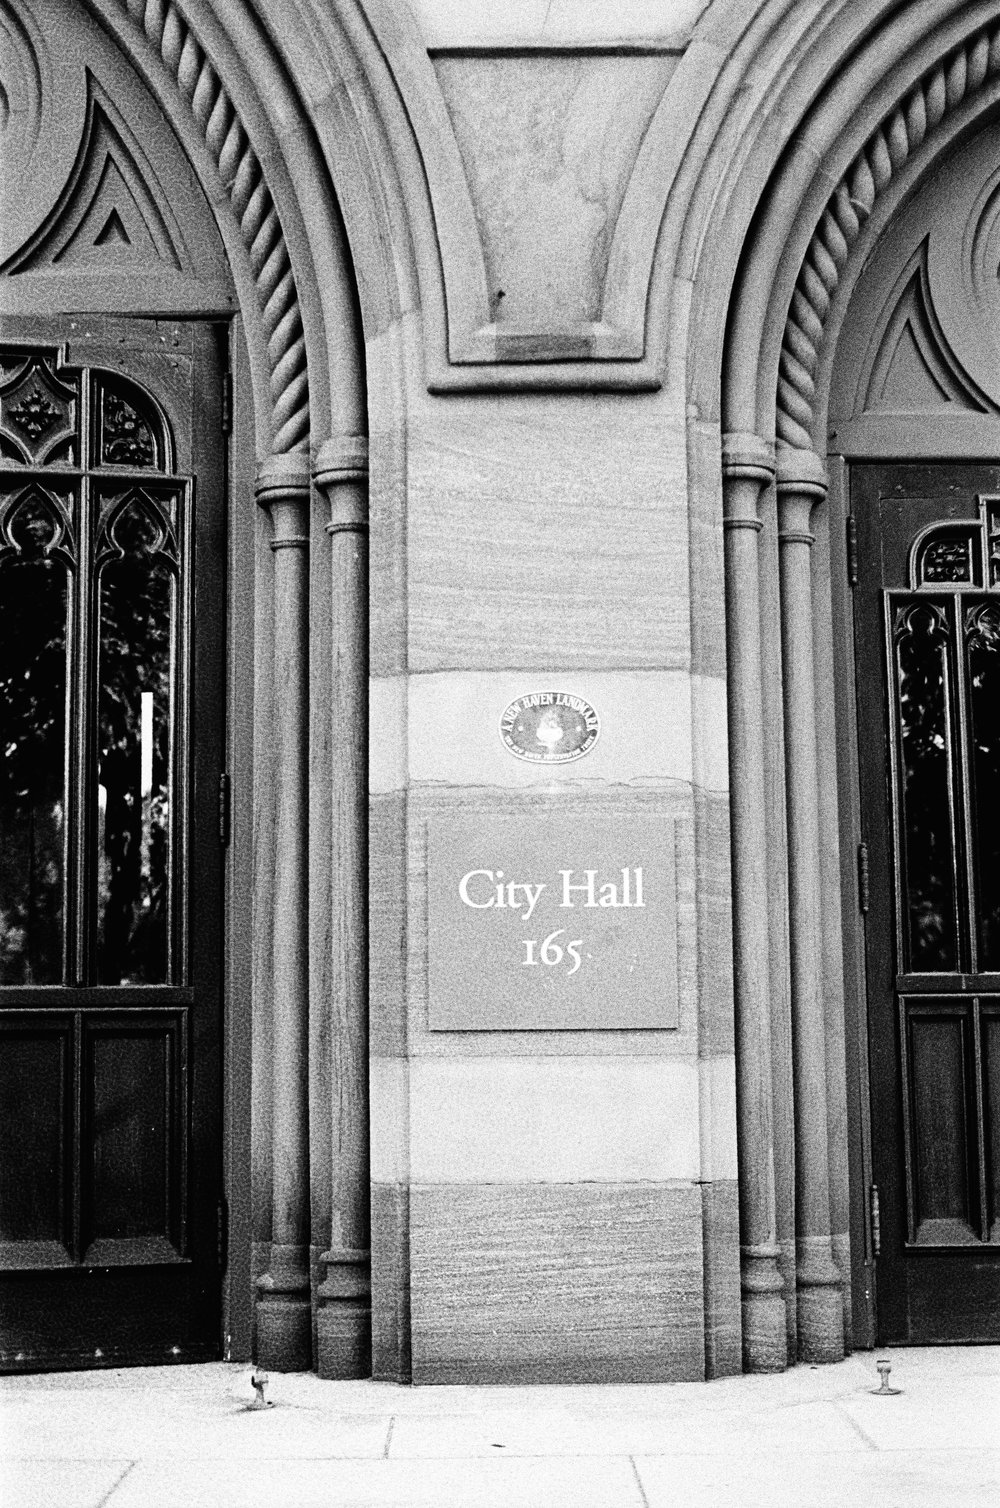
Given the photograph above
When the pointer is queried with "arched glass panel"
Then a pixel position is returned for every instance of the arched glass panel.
(924, 695)
(135, 736)
(92, 668)
(130, 431)
(34, 604)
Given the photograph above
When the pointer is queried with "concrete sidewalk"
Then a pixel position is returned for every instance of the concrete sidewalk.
(182, 1437)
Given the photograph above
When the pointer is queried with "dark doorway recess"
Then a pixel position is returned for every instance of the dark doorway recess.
(112, 622)
(927, 641)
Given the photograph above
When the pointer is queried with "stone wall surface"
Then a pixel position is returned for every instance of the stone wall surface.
(525, 538)
(548, 1172)
(549, 23)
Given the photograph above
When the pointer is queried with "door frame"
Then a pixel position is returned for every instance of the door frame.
(863, 440)
(863, 1293)
(824, 172)
(291, 227)
(21, 307)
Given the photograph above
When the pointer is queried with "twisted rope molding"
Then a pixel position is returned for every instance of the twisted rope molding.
(243, 180)
(942, 89)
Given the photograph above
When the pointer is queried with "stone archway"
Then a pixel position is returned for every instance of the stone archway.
(906, 87)
(300, 305)
(307, 413)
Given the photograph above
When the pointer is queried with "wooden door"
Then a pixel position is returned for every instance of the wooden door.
(927, 641)
(112, 612)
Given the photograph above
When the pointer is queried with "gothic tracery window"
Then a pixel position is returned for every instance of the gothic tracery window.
(93, 559)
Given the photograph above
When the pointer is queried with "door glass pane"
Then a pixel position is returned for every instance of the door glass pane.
(34, 591)
(930, 930)
(137, 600)
(982, 627)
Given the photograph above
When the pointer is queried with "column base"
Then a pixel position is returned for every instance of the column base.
(820, 1302)
(284, 1335)
(821, 1324)
(344, 1318)
(284, 1312)
(765, 1331)
(765, 1343)
(344, 1340)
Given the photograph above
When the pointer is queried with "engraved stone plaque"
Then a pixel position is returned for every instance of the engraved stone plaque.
(551, 922)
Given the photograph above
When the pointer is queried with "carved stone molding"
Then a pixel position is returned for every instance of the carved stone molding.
(108, 210)
(950, 83)
(840, 137)
(580, 321)
(748, 468)
(343, 1318)
(242, 177)
(283, 1306)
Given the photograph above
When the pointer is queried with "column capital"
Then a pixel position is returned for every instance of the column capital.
(282, 487)
(801, 483)
(340, 472)
(746, 457)
(747, 468)
(801, 471)
(341, 458)
(282, 478)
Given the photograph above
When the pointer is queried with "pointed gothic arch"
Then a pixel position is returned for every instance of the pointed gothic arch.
(245, 127)
(846, 113)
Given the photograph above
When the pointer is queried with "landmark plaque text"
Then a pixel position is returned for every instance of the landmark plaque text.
(551, 922)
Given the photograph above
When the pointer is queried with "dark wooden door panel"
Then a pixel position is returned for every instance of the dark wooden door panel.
(991, 1099)
(112, 601)
(131, 1177)
(36, 1133)
(87, 1317)
(927, 640)
(939, 1123)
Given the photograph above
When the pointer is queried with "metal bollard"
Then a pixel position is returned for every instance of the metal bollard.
(884, 1366)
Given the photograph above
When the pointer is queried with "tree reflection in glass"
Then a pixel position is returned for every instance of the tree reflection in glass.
(134, 704)
(33, 602)
(922, 669)
(983, 650)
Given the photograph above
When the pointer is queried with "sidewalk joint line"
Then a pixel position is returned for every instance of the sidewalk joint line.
(388, 1437)
(638, 1483)
(865, 1436)
(114, 1488)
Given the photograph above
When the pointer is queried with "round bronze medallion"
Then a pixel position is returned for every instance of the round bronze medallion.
(549, 727)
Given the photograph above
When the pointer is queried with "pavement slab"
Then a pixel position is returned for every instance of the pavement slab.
(811, 1437)
(532, 1483)
(932, 1479)
(27, 1483)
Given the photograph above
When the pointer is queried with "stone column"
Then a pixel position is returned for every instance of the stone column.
(343, 1320)
(801, 485)
(747, 468)
(284, 1315)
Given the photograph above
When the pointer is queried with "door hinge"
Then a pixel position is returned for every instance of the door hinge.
(222, 1232)
(852, 551)
(876, 1222)
(227, 403)
(224, 804)
(864, 883)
